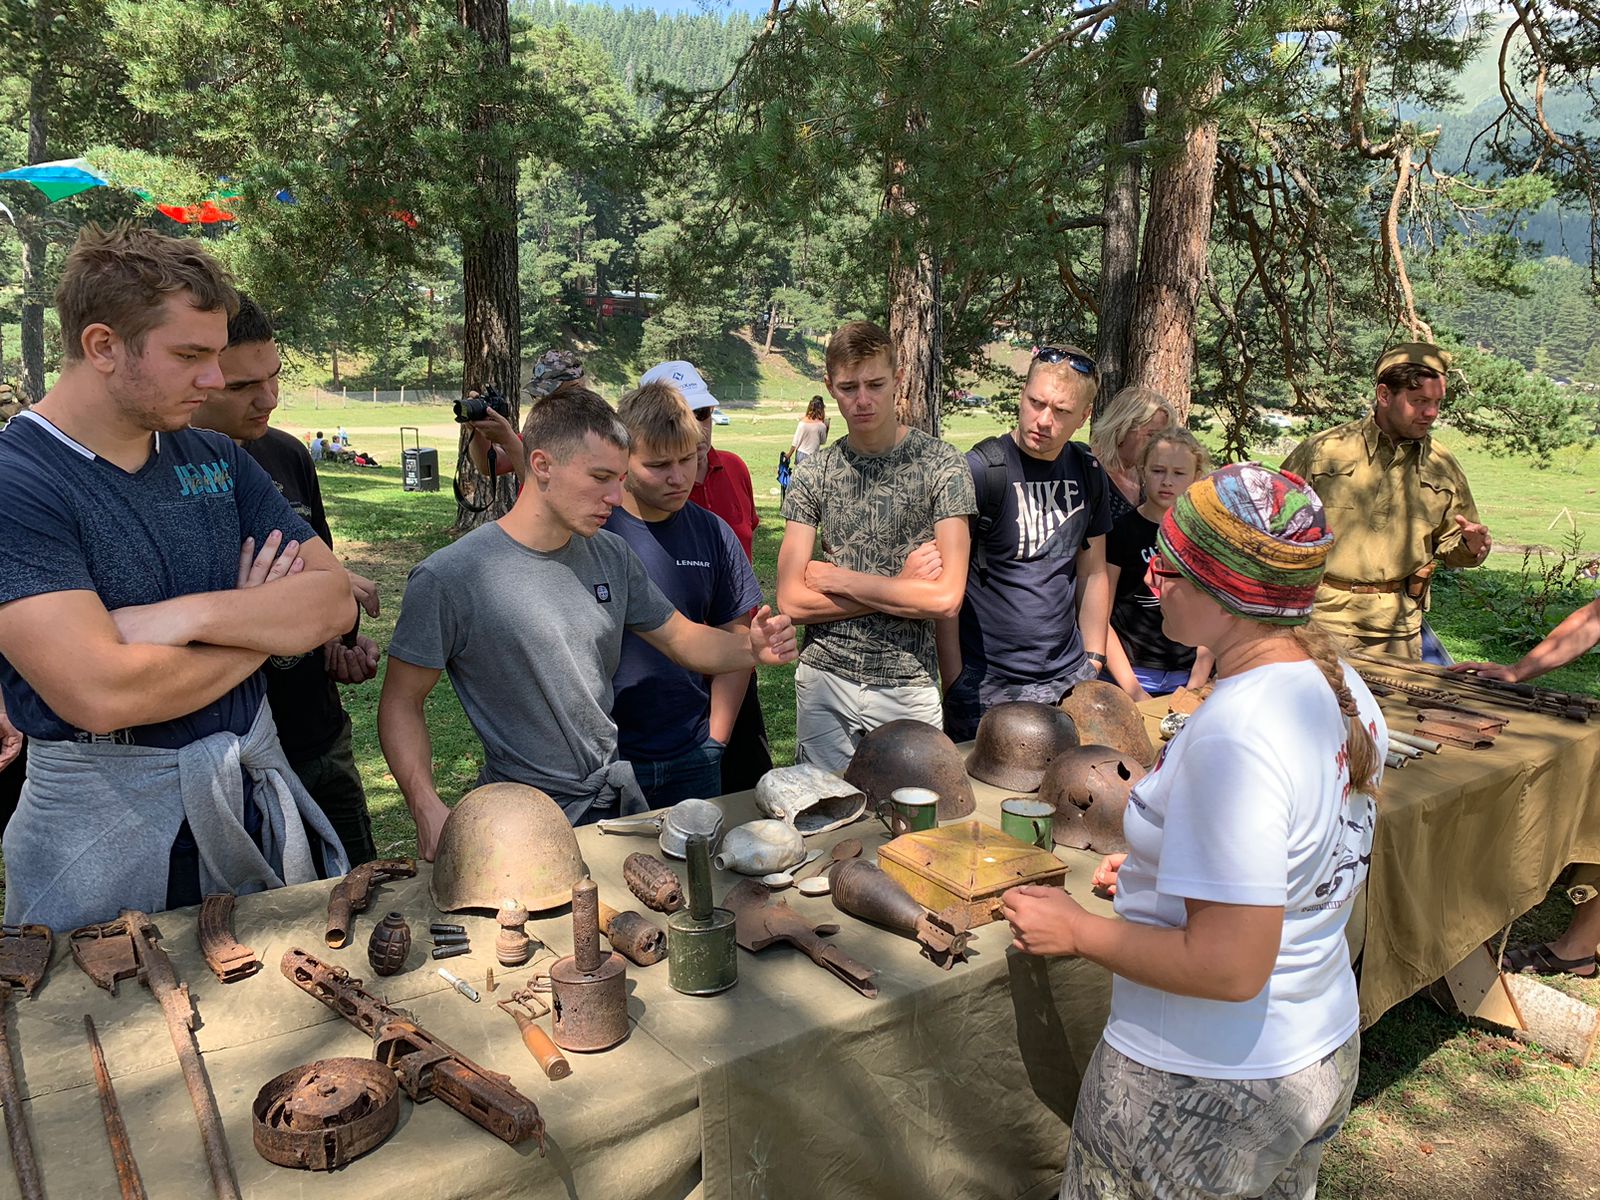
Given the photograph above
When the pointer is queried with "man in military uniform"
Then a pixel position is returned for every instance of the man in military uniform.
(1396, 501)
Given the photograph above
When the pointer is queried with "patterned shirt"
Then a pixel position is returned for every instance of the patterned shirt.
(872, 511)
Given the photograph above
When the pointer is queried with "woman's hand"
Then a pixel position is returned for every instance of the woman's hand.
(1105, 875)
(1042, 919)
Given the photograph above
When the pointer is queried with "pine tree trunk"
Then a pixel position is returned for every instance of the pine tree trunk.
(1177, 232)
(772, 326)
(1119, 247)
(491, 352)
(336, 366)
(916, 332)
(33, 239)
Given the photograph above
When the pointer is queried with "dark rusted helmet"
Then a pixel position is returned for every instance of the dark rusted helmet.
(1088, 787)
(909, 753)
(1106, 716)
(1016, 741)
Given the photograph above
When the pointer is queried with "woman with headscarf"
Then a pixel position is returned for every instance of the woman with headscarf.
(1230, 1056)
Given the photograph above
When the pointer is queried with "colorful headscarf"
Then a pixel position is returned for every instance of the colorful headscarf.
(1253, 539)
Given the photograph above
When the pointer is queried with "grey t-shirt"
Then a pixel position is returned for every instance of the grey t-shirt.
(871, 511)
(530, 641)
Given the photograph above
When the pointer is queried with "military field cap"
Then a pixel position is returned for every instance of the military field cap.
(1422, 354)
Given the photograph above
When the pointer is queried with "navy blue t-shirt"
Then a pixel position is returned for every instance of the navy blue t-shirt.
(1019, 620)
(662, 711)
(75, 522)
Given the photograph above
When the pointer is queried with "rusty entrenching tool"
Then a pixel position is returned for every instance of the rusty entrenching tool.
(763, 919)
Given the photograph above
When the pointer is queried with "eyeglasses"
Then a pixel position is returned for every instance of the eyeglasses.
(1160, 569)
(1081, 363)
(703, 414)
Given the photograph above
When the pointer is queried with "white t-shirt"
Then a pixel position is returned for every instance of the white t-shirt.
(1251, 804)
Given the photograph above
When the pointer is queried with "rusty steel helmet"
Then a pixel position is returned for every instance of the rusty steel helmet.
(1107, 716)
(505, 839)
(1016, 741)
(1088, 787)
(909, 753)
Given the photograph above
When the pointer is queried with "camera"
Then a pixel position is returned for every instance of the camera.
(474, 407)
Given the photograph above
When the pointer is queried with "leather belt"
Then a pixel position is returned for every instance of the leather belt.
(1364, 589)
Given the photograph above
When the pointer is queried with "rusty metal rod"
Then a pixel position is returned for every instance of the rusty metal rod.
(128, 1181)
(29, 1182)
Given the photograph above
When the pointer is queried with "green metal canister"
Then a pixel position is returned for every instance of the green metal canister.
(702, 953)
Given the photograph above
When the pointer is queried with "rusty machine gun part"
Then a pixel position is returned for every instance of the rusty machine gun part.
(353, 893)
(319, 1117)
(862, 889)
(762, 919)
(426, 1067)
(589, 987)
(130, 946)
(512, 945)
(29, 1182)
(1454, 688)
(655, 883)
(633, 937)
(129, 1184)
(227, 959)
(702, 953)
(525, 1007)
(25, 955)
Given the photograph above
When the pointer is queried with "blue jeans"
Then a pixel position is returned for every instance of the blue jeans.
(697, 773)
(1160, 683)
(1433, 650)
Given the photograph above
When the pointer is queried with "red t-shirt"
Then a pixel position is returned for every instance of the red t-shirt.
(727, 491)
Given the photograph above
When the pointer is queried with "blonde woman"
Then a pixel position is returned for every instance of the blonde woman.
(1120, 435)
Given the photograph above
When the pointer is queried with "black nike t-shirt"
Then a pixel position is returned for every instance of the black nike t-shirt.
(1135, 609)
(305, 702)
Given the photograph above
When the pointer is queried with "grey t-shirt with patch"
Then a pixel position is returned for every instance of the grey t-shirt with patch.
(530, 641)
(870, 512)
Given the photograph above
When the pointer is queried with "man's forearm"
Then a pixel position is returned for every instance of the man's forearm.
(727, 697)
(806, 606)
(289, 616)
(947, 643)
(917, 599)
(146, 685)
(407, 748)
(1576, 635)
(709, 651)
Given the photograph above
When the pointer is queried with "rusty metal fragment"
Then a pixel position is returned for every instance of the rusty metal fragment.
(763, 919)
(319, 1117)
(227, 959)
(632, 936)
(29, 1182)
(25, 955)
(524, 1007)
(589, 986)
(105, 953)
(425, 1066)
(353, 893)
(863, 890)
(655, 883)
(129, 1184)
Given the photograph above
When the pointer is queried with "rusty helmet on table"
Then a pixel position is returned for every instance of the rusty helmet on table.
(1088, 786)
(1107, 716)
(506, 839)
(1016, 741)
(909, 753)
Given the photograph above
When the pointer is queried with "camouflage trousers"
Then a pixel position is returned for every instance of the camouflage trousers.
(1144, 1134)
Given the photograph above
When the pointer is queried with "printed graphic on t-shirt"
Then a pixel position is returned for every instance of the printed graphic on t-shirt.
(203, 479)
(1043, 509)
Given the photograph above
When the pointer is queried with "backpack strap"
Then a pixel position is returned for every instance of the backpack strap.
(990, 484)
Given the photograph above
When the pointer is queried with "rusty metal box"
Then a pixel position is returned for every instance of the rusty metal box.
(967, 865)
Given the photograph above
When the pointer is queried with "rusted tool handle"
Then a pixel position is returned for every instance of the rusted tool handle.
(546, 1053)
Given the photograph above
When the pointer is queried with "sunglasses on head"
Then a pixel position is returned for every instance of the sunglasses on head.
(1081, 363)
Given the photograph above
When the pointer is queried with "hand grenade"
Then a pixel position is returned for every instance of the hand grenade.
(389, 945)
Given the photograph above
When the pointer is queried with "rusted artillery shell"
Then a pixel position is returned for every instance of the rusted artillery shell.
(389, 944)
(321, 1116)
(864, 890)
(655, 883)
(632, 936)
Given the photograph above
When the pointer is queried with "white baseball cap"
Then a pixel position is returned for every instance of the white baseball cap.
(686, 379)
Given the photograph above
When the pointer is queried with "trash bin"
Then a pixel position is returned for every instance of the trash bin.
(419, 464)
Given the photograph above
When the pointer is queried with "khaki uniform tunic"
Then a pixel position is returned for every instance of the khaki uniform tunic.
(1392, 508)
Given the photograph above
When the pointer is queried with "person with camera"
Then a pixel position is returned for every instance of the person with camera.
(674, 725)
(527, 615)
(312, 724)
(147, 571)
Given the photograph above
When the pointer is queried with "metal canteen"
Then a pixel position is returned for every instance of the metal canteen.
(759, 847)
(673, 825)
